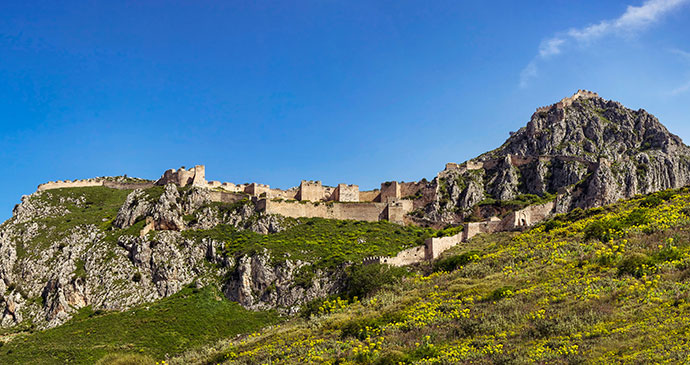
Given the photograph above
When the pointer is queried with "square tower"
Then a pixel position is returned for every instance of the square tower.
(311, 190)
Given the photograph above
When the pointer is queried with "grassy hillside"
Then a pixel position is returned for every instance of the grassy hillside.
(324, 242)
(608, 285)
(188, 319)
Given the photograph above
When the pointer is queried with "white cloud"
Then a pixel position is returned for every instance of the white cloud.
(550, 47)
(681, 89)
(633, 20)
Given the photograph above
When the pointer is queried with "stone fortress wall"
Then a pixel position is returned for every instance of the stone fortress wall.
(433, 247)
(309, 199)
(94, 182)
(565, 102)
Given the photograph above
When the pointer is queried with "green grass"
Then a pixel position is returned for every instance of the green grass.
(99, 208)
(188, 319)
(323, 242)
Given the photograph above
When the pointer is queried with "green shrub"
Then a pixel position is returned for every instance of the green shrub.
(636, 264)
(500, 293)
(454, 262)
(365, 280)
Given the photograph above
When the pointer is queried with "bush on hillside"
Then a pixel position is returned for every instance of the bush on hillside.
(636, 264)
(365, 280)
(452, 263)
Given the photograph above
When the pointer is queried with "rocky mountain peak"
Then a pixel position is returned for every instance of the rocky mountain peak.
(583, 151)
(591, 127)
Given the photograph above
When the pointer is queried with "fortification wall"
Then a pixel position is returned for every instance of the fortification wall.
(70, 184)
(433, 247)
(474, 228)
(568, 101)
(410, 256)
(397, 210)
(452, 166)
(346, 193)
(311, 191)
(128, 186)
(371, 212)
(409, 188)
(223, 197)
(257, 189)
(195, 176)
(283, 194)
(390, 191)
(529, 216)
(369, 196)
(93, 182)
(407, 257)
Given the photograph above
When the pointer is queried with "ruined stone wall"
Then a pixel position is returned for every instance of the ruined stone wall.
(474, 228)
(371, 212)
(452, 166)
(70, 184)
(397, 210)
(223, 197)
(565, 102)
(199, 178)
(408, 189)
(255, 189)
(433, 247)
(346, 193)
(94, 182)
(311, 191)
(390, 190)
(407, 257)
(290, 194)
(471, 165)
(410, 256)
(529, 216)
(128, 186)
(195, 176)
(369, 196)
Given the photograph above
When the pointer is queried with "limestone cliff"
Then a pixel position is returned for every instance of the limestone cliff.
(583, 152)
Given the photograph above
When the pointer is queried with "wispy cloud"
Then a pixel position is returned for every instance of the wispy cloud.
(685, 87)
(632, 21)
(681, 53)
(681, 89)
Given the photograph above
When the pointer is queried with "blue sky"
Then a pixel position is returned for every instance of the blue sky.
(342, 91)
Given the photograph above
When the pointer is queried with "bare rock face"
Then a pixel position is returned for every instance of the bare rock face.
(134, 207)
(259, 284)
(590, 153)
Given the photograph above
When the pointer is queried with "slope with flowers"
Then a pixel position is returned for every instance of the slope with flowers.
(605, 285)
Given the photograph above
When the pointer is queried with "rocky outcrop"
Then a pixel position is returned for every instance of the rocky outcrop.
(590, 152)
(258, 284)
(45, 281)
